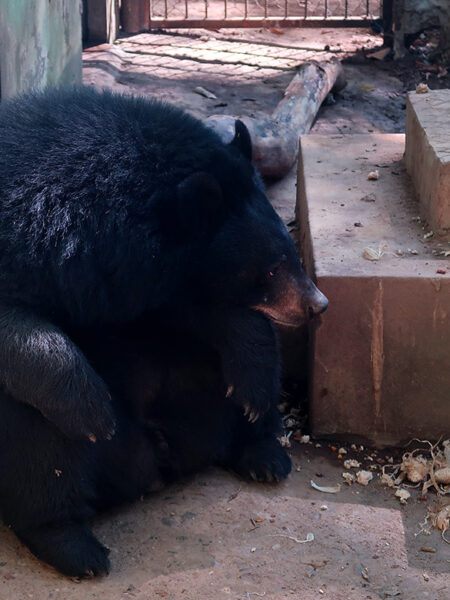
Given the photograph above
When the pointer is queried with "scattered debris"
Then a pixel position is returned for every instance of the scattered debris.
(428, 468)
(380, 54)
(368, 198)
(441, 271)
(309, 537)
(363, 477)
(305, 439)
(440, 519)
(428, 549)
(323, 507)
(284, 441)
(204, 92)
(422, 88)
(428, 235)
(328, 490)
(374, 175)
(370, 253)
(351, 463)
(402, 495)
(349, 478)
(443, 475)
(415, 468)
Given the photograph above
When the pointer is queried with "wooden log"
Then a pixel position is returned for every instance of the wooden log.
(275, 138)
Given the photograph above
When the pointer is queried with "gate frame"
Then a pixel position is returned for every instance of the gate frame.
(133, 13)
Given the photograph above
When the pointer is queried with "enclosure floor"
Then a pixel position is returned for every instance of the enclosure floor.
(248, 71)
(216, 537)
(197, 540)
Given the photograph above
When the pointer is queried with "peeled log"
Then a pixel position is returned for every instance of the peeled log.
(275, 138)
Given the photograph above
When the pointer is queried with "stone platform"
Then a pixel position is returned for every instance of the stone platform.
(427, 155)
(380, 358)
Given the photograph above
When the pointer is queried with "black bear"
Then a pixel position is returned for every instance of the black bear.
(112, 208)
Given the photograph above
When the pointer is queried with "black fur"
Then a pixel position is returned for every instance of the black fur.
(173, 418)
(111, 206)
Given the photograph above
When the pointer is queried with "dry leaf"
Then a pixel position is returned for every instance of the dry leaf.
(363, 477)
(422, 88)
(402, 495)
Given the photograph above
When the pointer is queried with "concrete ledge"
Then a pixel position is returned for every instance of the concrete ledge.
(380, 359)
(427, 155)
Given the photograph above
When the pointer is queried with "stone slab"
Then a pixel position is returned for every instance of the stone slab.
(427, 155)
(380, 358)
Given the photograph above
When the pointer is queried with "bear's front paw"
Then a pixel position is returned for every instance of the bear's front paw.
(264, 461)
(256, 394)
(85, 413)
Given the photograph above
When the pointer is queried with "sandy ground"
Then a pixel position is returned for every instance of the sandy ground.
(215, 536)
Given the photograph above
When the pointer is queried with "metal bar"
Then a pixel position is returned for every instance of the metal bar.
(225, 9)
(135, 15)
(165, 9)
(245, 9)
(388, 22)
(186, 9)
(306, 9)
(326, 9)
(285, 9)
(346, 9)
(367, 8)
(259, 22)
(265, 9)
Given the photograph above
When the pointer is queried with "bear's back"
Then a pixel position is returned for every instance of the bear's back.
(83, 176)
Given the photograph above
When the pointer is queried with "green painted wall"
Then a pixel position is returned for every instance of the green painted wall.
(40, 44)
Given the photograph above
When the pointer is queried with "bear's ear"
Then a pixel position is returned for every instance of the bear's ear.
(200, 203)
(242, 140)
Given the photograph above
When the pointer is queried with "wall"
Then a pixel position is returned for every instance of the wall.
(40, 44)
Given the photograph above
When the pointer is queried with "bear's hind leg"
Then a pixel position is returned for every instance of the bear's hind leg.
(48, 490)
(71, 548)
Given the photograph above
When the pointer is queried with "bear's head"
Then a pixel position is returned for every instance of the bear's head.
(251, 260)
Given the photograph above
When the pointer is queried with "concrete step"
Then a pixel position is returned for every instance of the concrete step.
(380, 358)
(427, 155)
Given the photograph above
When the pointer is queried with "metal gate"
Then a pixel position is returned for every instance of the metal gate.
(211, 14)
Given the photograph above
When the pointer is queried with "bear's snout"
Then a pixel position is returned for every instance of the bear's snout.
(316, 303)
(293, 299)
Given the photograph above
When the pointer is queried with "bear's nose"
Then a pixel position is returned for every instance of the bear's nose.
(317, 304)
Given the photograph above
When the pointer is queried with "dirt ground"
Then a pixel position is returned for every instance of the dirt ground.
(215, 536)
